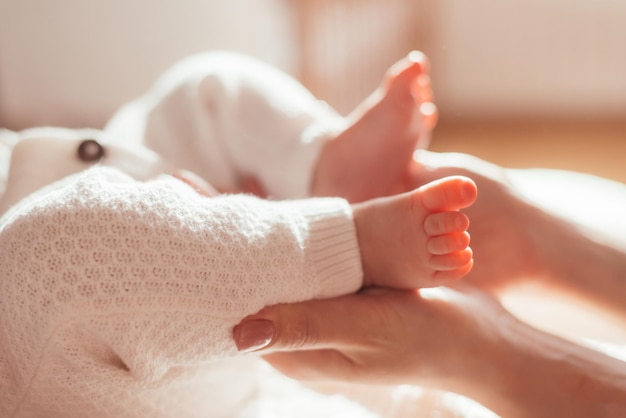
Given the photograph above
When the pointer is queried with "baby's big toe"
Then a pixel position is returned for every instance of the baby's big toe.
(448, 194)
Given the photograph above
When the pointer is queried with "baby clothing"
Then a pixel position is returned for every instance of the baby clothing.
(120, 286)
(225, 116)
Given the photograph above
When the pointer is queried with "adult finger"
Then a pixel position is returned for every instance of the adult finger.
(252, 185)
(196, 182)
(311, 365)
(323, 339)
(315, 324)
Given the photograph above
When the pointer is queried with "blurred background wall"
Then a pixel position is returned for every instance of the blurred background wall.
(537, 58)
(522, 83)
(73, 62)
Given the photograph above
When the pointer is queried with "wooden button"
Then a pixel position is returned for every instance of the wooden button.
(90, 150)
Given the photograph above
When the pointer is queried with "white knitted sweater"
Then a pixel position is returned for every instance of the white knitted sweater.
(118, 296)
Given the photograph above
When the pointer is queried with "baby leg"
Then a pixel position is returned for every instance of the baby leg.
(231, 118)
(418, 238)
(371, 156)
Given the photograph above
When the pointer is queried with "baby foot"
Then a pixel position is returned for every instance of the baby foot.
(418, 238)
(370, 158)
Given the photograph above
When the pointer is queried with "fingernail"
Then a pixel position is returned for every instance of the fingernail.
(254, 335)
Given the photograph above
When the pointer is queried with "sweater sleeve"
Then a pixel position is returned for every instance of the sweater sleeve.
(146, 277)
(228, 117)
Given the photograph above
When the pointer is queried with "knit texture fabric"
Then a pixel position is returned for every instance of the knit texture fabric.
(118, 297)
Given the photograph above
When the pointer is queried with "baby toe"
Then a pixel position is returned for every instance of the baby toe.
(448, 194)
(453, 261)
(443, 277)
(445, 222)
(449, 243)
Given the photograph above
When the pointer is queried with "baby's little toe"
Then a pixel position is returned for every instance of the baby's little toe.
(447, 276)
(453, 261)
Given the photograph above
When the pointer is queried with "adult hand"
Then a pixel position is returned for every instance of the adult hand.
(441, 338)
(457, 340)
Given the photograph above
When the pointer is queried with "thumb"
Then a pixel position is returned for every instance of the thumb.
(346, 338)
(310, 325)
(309, 340)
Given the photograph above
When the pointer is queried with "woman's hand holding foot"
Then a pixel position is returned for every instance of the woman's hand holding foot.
(458, 340)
